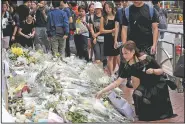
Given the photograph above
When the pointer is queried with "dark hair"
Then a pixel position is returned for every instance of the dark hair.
(65, 1)
(73, 3)
(131, 45)
(15, 8)
(24, 1)
(155, 2)
(81, 7)
(90, 5)
(5, 3)
(39, 1)
(56, 4)
(111, 5)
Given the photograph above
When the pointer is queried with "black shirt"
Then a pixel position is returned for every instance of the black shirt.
(40, 21)
(141, 25)
(96, 23)
(8, 30)
(26, 28)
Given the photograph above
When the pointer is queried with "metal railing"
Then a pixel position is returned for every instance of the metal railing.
(172, 58)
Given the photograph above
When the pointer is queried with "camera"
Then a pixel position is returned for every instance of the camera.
(4, 23)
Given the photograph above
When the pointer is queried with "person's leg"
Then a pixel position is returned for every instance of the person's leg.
(47, 44)
(5, 41)
(85, 48)
(102, 52)
(97, 52)
(76, 41)
(62, 46)
(55, 44)
(67, 50)
(110, 64)
(38, 39)
(80, 46)
(115, 59)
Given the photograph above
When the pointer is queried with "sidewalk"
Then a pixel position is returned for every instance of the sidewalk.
(177, 100)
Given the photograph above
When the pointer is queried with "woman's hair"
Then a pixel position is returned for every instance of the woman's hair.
(90, 5)
(81, 7)
(111, 5)
(131, 45)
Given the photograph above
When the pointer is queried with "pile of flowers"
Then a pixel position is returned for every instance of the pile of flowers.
(22, 56)
(57, 90)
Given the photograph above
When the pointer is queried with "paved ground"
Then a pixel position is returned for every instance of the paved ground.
(177, 100)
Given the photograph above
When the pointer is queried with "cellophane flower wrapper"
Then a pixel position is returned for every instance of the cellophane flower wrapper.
(66, 87)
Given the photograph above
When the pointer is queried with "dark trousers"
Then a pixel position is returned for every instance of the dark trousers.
(81, 43)
(99, 51)
(67, 49)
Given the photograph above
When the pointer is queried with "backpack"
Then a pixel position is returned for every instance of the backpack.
(73, 25)
(162, 19)
(127, 12)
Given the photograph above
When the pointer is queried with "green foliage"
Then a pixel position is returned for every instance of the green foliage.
(16, 45)
(76, 117)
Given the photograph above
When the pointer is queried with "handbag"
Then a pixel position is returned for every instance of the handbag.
(179, 69)
(122, 105)
(59, 29)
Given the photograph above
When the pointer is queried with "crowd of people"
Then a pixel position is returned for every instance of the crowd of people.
(115, 34)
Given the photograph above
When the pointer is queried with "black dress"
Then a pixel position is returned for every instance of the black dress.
(26, 29)
(151, 97)
(109, 40)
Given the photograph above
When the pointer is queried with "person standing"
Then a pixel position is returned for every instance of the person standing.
(117, 38)
(98, 39)
(107, 28)
(90, 15)
(6, 26)
(64, 6)
(57, 29)
(40, 29)
(82, 34)
(162, 17)
(142, 21)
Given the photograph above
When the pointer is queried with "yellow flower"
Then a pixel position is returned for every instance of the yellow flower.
(17, 51)
(78, 21)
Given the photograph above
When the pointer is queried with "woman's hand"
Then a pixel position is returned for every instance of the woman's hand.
(150, 71)
(99, 94)
(13, 38)
(27, 36)
(115, 45)
(113, 30)
(94, 41)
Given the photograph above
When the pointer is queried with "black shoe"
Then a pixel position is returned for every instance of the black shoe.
(129, 84)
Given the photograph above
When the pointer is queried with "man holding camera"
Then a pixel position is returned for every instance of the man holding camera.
(41, 21)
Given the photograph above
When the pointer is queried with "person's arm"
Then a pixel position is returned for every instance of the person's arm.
(22, 34)
(70, 20)
(124, 31)
(66, 24)
(124, 34)
(155, 22)
(44, 14)
(48, 25)
(112, 85)
(116, 31)
(102, 30)
(69, 15)
(15, 31)
(33, 31)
